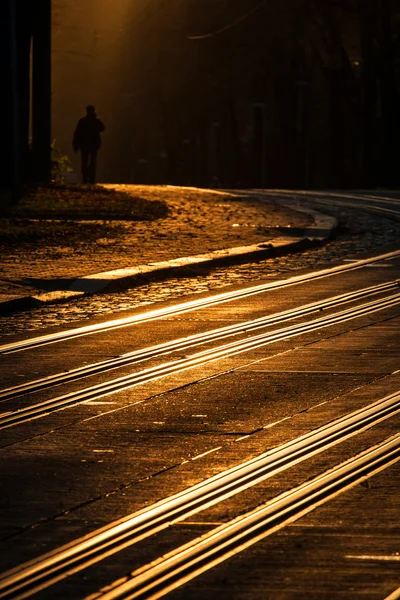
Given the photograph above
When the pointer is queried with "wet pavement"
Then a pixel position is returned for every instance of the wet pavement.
(138, 432)
(66, 473)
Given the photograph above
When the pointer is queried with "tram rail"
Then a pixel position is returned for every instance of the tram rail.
(184, 563)
(189, 306)
(178, 567)
(95, 392)
(191, 341)
(29, 578)
(366, 202)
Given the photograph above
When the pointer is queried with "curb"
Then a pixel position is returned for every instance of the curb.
(121, 278)
(294, 240)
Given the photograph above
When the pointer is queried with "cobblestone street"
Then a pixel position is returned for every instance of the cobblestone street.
(198, 221)
(200, 300)
(210, 403)
(360, 233)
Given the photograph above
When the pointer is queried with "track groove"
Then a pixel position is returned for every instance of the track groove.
(190, 341)
(44, 408)
(50, 568)
(178, 567)
(188, 306)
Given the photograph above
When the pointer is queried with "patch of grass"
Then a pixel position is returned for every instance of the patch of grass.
(19, 232)
(86, 203)
(74, 216)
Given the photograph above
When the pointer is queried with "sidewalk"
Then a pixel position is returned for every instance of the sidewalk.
(202, 228)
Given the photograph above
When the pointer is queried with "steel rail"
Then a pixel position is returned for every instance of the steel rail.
(44, 571)
(190, 341)
(186, 562)
(328, 195)
(189, 306)
(375, 205)
(368, 197)
(366, 207)
(381, 199)
(12, 418)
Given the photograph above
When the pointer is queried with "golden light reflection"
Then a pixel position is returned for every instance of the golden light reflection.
(87, 67)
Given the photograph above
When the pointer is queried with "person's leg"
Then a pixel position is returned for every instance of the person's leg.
(85, 165)
(92, 166)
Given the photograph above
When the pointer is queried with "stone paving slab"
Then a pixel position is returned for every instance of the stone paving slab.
(203, 227)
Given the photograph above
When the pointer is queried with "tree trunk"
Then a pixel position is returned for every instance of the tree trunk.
(41, 91)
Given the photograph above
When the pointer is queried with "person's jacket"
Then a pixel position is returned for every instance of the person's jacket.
(87, 134)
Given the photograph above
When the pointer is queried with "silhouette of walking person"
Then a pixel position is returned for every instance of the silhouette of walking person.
(87, 139)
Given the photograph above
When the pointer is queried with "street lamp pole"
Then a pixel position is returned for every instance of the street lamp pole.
(260, 143)
(15, 180)
(41, 90)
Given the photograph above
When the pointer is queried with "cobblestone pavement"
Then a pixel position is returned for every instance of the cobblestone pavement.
(362, 233)
(198, 221)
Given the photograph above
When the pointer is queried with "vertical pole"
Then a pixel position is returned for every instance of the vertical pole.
(301, 135)
(41, 91)
(259, 144)
(15, 159)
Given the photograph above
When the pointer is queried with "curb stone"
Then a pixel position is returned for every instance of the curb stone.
(292, 240)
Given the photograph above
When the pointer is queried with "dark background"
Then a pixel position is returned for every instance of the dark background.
(277, 93)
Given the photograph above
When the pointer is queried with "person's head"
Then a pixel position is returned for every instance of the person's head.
(91, 111)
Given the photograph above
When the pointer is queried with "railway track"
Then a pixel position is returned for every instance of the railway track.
(380, 205)
(189, 306)
(194, 340)
(29, 578)
(186, 562)
(95, 392)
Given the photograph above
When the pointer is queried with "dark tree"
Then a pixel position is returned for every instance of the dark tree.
(25, 26)
(281, 93)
